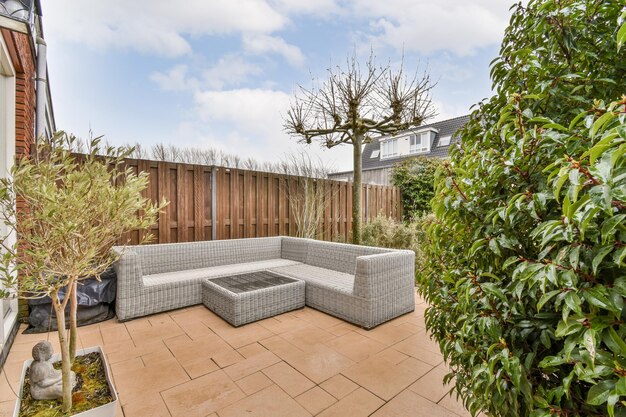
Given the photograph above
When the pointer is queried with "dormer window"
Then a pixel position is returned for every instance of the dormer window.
(420, 142)
(444, 140)
(389, 148)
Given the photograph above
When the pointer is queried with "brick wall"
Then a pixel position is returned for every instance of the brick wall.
(25, 99)
(21, 52)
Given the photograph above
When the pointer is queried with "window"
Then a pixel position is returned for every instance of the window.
(444, 140)
(8, 306)
(375, 154)
(420, 142)
(389, 148)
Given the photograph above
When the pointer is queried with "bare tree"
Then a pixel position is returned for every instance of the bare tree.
(353, 104)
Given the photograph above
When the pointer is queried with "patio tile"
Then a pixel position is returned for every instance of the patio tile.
(307, 337)
(196, 330)
(270, 402)
(290, 380)
(386, 377)
(6, 391)
(339, 386)
(202, 396)
(253, 383)
(251, 350)
(389, 334)
(147, 405)
(341, 329)
(228, 358)
(357, 404)
(411, 346)
(251, 365)
(135, 325)
(117, 346)
(355, 346)
(281, 324)
(422, 339)
(281, 347)
(408, 403)
(6, 408)
(195, 355)
(318, 364)
(455, 405)
(241, 336)
(315, 400)
(430, 386)
(161, 329)
(154, 377)
(317, 318)
(89, 338)
(113, 335)
(127, 365)
(121, 355)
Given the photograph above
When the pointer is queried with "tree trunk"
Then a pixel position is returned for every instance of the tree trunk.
(66, 365)
(72, 288)
(356, 190)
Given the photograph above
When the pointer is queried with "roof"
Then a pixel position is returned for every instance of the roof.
(447, 127)
(444, 128)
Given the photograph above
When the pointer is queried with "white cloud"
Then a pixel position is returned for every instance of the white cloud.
(249, 122)
(229, 70)
(176, 79)
(325, 9)
(155, 26)
(459, 26)
(262, 44)
(253, 111)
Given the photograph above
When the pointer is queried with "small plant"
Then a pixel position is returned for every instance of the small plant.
(74, 212)
(308, 193)
(415, 177)
(386, 232)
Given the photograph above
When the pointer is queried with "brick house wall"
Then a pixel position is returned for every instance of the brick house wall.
(25, 99)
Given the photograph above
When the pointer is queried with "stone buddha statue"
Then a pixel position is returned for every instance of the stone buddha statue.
(46, 383)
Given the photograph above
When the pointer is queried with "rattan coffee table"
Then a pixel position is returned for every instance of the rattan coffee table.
(244, 298)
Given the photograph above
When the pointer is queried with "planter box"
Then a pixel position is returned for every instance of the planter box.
(106, 410)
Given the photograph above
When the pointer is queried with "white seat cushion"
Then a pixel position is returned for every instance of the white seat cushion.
(320, 277)
(214, 272)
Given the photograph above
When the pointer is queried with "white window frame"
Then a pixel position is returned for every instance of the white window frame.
(447, 141)
(389, 148)
(423, 146)
(7, 157)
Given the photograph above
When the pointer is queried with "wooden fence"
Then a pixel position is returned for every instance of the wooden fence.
(209, 202)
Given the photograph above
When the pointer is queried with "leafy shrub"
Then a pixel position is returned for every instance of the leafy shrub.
(415, 178)
(389, 233)
(525, 260)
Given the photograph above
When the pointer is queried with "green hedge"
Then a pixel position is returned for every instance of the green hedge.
(525, 263)
(415, 178)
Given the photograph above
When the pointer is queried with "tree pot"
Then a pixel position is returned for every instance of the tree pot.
(106, 410)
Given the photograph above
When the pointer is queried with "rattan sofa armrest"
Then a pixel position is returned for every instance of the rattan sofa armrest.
(384, 273)
(128, 270)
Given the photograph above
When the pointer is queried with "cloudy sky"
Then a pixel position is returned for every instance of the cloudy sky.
(220, 73)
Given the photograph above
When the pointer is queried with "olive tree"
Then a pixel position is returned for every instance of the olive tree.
(525, 263)
(73, 213)
(355, 103)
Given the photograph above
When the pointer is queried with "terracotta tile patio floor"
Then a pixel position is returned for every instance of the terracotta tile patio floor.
(191, 363)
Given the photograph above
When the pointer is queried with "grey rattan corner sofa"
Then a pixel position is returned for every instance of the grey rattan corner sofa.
(363, 285)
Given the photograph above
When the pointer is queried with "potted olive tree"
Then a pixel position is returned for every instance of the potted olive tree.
(70, 211)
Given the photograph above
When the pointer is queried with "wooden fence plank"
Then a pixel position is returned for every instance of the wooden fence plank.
(247, 203)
